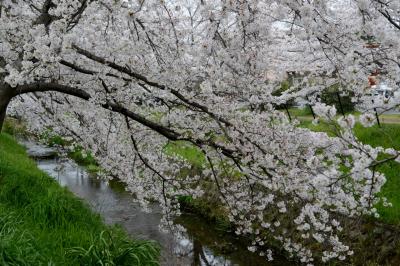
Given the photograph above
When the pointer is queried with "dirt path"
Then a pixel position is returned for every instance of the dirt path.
(384, 119)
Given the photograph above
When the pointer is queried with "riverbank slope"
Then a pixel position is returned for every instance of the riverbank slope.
(42, 223)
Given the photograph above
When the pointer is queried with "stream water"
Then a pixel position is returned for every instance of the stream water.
(200, 245)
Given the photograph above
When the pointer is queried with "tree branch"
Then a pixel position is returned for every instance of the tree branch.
(114, 107)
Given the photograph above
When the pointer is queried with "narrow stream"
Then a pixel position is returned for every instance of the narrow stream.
(201, 244)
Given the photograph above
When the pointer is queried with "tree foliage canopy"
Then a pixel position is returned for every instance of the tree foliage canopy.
(125, 77)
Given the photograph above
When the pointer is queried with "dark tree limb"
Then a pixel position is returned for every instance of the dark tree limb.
(117, 108)
(43, 87)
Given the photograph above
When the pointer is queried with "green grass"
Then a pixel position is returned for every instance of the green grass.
(42, 223)
(387, 136)
(305, 111)
(15, 127)
(187, 151)
(83, 158)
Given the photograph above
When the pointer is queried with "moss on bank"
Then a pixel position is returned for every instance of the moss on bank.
(42, 223)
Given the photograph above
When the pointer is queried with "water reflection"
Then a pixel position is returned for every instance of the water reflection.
(201, 245)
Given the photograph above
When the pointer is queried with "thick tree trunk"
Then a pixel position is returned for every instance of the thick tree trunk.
(2, 117)
(5, 97)
(4, 94)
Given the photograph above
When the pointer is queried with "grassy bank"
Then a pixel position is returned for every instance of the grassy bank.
(42, 223)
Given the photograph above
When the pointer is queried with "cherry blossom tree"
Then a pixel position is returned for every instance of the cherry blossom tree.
(125, 78)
